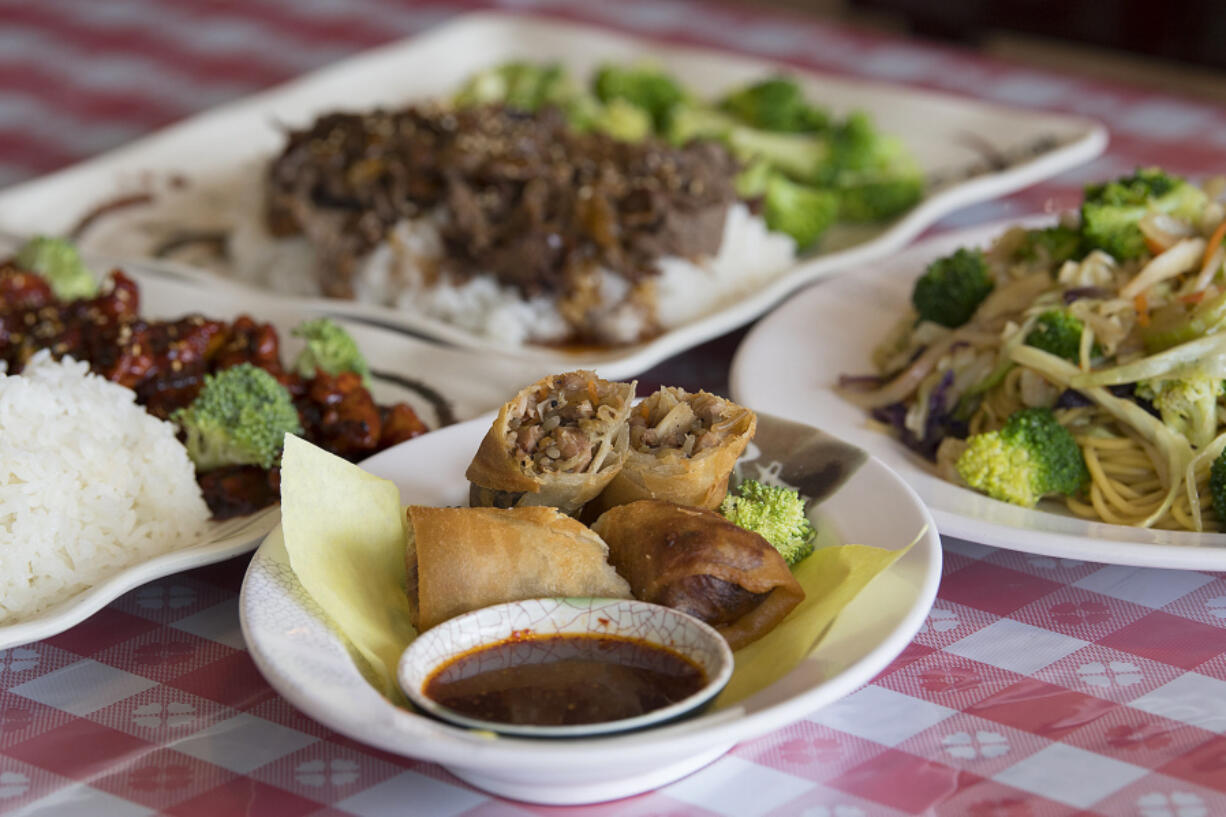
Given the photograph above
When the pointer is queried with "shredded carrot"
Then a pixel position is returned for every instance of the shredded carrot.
(1215, 241)
(1156, 247)
(1141, 303)
(1193, 297)
(592, 393)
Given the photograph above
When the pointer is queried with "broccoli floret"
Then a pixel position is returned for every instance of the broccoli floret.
(799, 155)
(775, 104)
(952, 288)
(876, 174)
(1217, 489)
(751, 182)
(240, 417)
(644, 86)
(1053, 245)
(801, 211)
(796, 154)
(529, 87)
(689, 122)
(774, 512)
(622, 120)
(1188, 405)
(1031, 457)
(58, 262)
(1110, 212)
(1059, 333)
(880, 200)
(523, 85)
(331, 348)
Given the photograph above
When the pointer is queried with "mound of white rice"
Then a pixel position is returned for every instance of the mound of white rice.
(89, 483)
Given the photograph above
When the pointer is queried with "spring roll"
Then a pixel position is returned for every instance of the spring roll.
(682, 449)
(558, 442)
(694, 560)
(462, 559)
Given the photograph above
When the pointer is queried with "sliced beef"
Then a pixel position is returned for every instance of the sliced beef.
(521, 196)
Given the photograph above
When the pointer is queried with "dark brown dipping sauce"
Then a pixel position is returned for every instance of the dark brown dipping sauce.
(563, 680)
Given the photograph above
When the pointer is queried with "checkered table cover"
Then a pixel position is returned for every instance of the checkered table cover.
(1038, 686)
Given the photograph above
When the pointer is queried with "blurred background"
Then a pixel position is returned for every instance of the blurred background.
(1174, 46)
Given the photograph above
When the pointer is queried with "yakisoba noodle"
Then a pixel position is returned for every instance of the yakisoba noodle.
(1125, 487)
(1139, 385)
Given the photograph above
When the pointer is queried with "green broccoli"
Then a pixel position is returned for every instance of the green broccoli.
(240, 417)
(622, 120)
(331, 348)
(1052, 245)
(952, 288)
(644, 86)
(58, 262)
(1059, 333)
(881, 199)
(799, 155)
(776, 513)
(1188, 405)
(689, 122)
(802, 212)
(1031, 457)
(775, 104)
(751, 182)
(1217, 489)
(529, 86)
(1110, 212)
(523, 85)
(875, 173)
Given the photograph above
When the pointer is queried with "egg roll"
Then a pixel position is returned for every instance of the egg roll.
(558, 443)
(462, 559)
(694, 560)
(682, 449)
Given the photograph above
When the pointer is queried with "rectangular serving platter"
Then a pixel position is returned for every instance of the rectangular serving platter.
(972, 152)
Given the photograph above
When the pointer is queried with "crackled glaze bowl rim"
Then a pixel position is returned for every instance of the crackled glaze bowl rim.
(653, 623)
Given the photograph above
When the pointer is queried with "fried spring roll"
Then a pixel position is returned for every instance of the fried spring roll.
(682, 449)
(462, 559)
(558, 442)
(696, 561)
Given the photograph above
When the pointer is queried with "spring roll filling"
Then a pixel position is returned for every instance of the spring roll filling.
(672, 420)
(569, 428)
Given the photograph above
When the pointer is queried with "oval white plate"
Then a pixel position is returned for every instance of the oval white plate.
(947, 134)
(831, 329)
(441, 384)
(303, 659)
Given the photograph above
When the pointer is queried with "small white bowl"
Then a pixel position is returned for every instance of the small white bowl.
(662, 626)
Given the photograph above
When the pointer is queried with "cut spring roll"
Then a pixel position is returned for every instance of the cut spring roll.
(462, 559)
(558, 442)
(682, 449)
(694, 560)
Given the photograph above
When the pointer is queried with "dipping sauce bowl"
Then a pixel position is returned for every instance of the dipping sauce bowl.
(566, 667)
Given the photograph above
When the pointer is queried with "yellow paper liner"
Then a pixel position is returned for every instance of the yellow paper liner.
(344, 533)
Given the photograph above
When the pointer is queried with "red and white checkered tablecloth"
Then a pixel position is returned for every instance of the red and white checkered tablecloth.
(1038, 687)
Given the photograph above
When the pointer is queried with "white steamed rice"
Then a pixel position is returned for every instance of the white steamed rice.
(89, 483)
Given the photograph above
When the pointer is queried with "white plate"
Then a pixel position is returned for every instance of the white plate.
(831, 329)
(406, 370)
(303, 659)
(979, 151)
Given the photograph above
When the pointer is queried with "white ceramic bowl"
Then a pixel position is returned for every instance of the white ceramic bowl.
(297, 649)
(627, 618)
